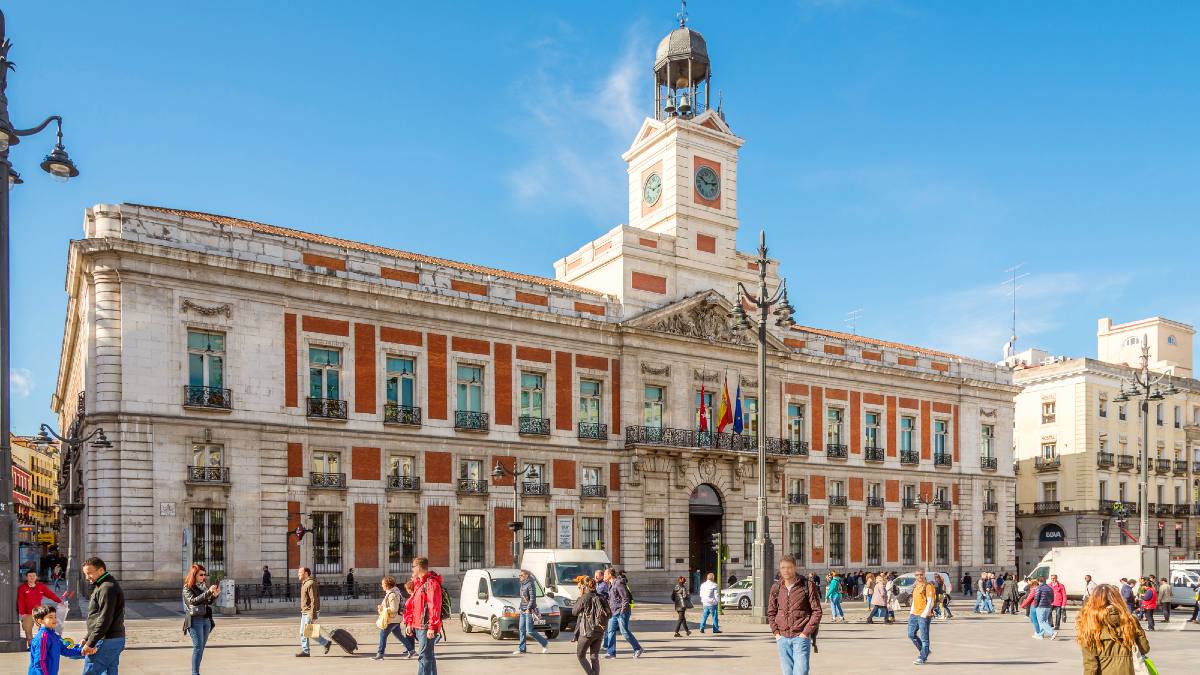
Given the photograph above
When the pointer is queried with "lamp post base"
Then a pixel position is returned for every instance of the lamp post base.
(762, 572)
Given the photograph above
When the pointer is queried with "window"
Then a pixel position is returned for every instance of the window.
(837, 544)
(750, 417)
(208, 539)
(401, 465)
(940, 434)
(1121, 491)
(208, 454)
(1159, 492)
(797, 486)
(1048, 450)
(402, 540)
(1049, 492)
(326, 461)
(532, 395)
(327, 542)
(589, 402)
(1103, 444)
(1121, 411)
(1103, 490)
(989, 496)
(591, 475)
(324, 373)
(837, 488)
(1178, 494)
(874, 490)
(987, 441)
(206, 359)
(1158, 414)
(470, 389)
(1162, 536)
(907, 425)
(1047, 412)
(942, 495)
(872, 430)
(1104, 532)
(654, 543)
(989, 544)
(796, 542)
(910, 493)
(833, 427)
(1103, 408)
(470, 541)
(796, 422)
(874, 544)
(400, 381)
(652, 407)
(943, 544)
(748, 534)
(908, 544)
(1178, 417)
(470, 469)
(593, 533)
(1178, 537)
(535, 531)
(708, 408)
(1170, 339)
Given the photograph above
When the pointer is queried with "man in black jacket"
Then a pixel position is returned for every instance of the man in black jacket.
(105, 621)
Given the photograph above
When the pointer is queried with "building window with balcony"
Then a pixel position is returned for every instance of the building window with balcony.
(833, 426)
(910, 494)
(1103, 405)
(402, 541)
(750, 418)
(874, 544)
(1047, 412)
(943, 544)
(533, 395)
(987, 441)
(470, 541)
(837, 544)
(590, 403)
(871, 432)
(940, 435)
(206, 369)
(402, 466)
(324, 373)
(470, 469)
(874, 494)
(208, 539)
(327, 542)
(401, 381)
(907, 426)
(591, 476)
(535, 531)
(1049, 451)
(208, 463)
(1178, 417)
(708, 409)
(748, 527)
(593, 533)
(652, 407)
(796, 546)
(654, 543)
(837, 488)
(1050, 492)
(1122, 491)
(989, 544)
(908, 544)
(470, 389)
(942, 495)
(1158, 414)
(326, 469)
(796, 427)
(1159, 490)
(797, 486)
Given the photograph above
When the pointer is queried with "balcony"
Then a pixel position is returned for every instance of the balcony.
(207, 397)
(910, 503)
(943, 504)
(874, 454)
(1047, 463)
(910, 457)
(1124, 462)
(469, 420)
(325, 408)
(943, 459)
(405, 483)
(990, 507)
(837, 500)
(1047, 419)
(1196, 466)
(1183, 510)
(799, 448)
(1164, 509)
(596, 491)
(470, 486)
(208, 475)
(989, 463)
(1180, 467)
(335, 481)
(1045, 507)
(689, 438)
(394, 413)
(531, 426)
(593, 431)
(1104, 459)
(875, 502)
(535, 489)
(835, 451)
(1162, 465)
(797, 498)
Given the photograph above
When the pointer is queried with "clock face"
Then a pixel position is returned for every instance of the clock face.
(708, 183)
(652, 190)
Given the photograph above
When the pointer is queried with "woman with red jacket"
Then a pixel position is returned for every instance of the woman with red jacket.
(1058, 607)
(1149, 601)
(29, 597)
(423, 614)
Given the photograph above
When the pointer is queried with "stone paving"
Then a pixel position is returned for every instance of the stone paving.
(968, 644)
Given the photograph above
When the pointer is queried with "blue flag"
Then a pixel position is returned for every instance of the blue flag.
(737, 410)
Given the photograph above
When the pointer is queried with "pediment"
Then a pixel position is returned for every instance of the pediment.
(713, 120)
(703, 316)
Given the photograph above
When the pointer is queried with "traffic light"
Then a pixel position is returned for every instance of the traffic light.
(716, 542)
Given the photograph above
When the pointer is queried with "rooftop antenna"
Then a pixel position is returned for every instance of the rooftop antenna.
(682, 13)
(852, 318)
(1014, 275)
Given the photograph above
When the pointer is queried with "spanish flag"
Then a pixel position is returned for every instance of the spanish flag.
(703, 411)
(724, 413)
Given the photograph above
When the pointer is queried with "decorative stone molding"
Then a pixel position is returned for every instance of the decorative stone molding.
(702, 375)
(989, 413)
(706, 320)
(648, 369)
(708, 469)
(750, 383)
(205, 310)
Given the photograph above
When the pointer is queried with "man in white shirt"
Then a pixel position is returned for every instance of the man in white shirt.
(1089, 587)
(708, 598)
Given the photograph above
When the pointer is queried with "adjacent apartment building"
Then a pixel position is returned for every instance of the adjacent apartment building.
(1079, 451)
(256, 378)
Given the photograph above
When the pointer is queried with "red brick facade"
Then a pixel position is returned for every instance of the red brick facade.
(366, 535)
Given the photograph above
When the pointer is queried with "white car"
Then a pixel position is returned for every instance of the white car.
(740, 594)
(490, 599)
(905, 582)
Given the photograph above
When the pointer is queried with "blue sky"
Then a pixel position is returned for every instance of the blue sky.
(900, 154)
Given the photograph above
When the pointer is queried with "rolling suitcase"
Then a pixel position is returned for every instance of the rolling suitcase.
(344, 639)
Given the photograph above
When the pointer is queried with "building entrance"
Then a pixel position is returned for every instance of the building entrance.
(705, 513)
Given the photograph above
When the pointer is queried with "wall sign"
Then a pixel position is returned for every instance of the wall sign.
(1052, 534)
(565, 539)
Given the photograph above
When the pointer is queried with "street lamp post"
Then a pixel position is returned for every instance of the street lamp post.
(1146, 387)
(517, 525)
(59, 165)
(763, 301)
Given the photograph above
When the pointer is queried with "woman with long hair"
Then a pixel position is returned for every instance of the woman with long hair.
(593, 615)
(1108, 633)
(197, 615)
(682, 600)
(391, 619)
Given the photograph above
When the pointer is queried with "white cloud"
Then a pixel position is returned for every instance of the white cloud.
(21, 380)
(888, 191)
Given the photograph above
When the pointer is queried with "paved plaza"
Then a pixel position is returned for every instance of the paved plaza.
(967, 644)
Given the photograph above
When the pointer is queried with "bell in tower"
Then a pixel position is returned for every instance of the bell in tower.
(681, 73)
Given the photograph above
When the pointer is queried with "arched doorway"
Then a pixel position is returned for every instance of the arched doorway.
(705, 512)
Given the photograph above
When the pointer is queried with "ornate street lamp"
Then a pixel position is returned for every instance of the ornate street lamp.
(527, 471)
(763, 564)
(59, 165)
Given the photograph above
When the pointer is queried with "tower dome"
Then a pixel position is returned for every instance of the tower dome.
(682, 44)
(681, 73)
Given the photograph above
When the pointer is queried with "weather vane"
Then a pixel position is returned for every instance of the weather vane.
(682, 13)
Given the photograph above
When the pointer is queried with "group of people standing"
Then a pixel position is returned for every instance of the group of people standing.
(104, 641)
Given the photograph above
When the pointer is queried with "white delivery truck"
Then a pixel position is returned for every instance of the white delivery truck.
(556, 570)
(1106, 564)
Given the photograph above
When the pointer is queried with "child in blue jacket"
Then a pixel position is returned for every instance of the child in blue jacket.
(47, 647)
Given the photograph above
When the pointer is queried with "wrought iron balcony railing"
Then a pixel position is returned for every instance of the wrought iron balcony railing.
(1117, 507)
(207, 397)
(1180, 466)
(1104, 459)
(1047, 419)
(837, 500)
(875, 502)
(874, 454)
(318, 479)
(1162, 465)
(910, 457)
(910, 503)
(326, 408)
(990, 507)
(836, 451)
(593, 431)
(408, 483)
(989, 463)
(394, 413)
(943, 459)
(535, 489)
(797, 498)
(470, 486)
(1196, 466)
(798, 447)
(1045, 507)
(600, 491)
(690, 438)
(943, 504)
(1183, 509)
(208, 474)
(1124, 462)
(1047, 463)
(470, 420)
(1164, 509)
(533, 426)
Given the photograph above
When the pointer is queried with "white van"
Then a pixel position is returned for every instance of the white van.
(556, 569)
(490, 600)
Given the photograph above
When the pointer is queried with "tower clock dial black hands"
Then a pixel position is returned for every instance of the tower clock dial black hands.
(708, 183)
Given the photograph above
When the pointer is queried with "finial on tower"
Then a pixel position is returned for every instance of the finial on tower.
(682, 13)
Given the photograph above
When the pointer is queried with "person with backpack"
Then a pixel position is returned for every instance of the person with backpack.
(592, 616)
(834, 595)
(619, 601)
(794, 614)
(391, 619)
(423, 614)
(682, 600)
(529, 614)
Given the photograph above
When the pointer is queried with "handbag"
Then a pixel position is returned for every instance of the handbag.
(687, 602)
(1142, 665)
(385, 617)
(312, 630)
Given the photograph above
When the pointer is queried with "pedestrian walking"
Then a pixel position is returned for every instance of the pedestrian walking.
(943, 596)
(966, 586)
(1148, 597)
(423, 614)
(1164, 593)
(1195, 604)
(1011, 595)
(592, 615)
(1059, 606)
(683, 602)
(868, 589)
(58, 578)
(696, 576)
(1109, 636)
(1041, 605)
(267, 591)
(833, 593)
(708, 600)
(1127, 594)
(197, 611)
(47, 647)
(879, 601)
(1089, 587)
(893, 597)
(924, 597)
(310, 608)
(105, 621)
(391, 619)
(981, 592)
(794, 613)
(528, 614)
(351, 589)
(29, 598)
(619, 599)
